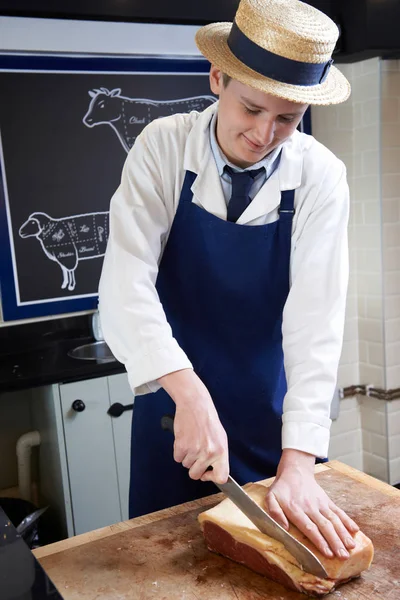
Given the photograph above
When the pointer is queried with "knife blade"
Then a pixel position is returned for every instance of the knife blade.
(262, 520)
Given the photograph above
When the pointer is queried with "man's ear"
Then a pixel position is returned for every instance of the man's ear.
(216, 82)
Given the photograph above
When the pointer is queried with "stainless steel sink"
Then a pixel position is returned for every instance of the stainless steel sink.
(98, 351)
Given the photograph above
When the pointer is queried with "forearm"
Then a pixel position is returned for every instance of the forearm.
(185, 388)
(200, 440)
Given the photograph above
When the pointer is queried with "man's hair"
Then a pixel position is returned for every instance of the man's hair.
(226, 79)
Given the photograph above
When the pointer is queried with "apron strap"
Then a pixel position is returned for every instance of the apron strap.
(189, 180)
(286, 209)
(286, 212)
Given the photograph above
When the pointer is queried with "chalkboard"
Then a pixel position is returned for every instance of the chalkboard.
(66, 125)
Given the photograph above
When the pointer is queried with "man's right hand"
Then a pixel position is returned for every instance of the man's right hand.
(200, 439)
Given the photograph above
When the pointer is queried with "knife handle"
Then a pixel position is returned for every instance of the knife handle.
(167, 424)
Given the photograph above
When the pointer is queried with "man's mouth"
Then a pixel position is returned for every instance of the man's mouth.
(254, 146)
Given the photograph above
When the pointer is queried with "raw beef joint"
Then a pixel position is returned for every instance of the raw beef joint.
(229, 532)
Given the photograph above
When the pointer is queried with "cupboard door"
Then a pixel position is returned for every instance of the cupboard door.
(90, 454)
(121, 392)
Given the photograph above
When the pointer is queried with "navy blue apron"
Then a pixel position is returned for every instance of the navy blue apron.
(223, 287)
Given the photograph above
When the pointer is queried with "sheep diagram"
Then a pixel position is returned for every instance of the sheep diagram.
(128, 116)
(69, 240)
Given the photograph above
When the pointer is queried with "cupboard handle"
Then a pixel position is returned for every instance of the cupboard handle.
(78, 405)
(117, 409)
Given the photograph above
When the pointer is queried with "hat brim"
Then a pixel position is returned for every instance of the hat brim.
(212, 43)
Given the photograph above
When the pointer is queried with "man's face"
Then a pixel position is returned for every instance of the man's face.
(251, 123)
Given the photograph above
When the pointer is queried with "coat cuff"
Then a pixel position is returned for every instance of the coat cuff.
(312, 438)
(144, 369)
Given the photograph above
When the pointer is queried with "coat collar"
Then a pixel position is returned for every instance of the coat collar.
(207, 187)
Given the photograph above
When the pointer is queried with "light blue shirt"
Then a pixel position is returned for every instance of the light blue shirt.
(269, 162)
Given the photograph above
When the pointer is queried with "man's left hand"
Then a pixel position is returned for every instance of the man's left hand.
(295, 496)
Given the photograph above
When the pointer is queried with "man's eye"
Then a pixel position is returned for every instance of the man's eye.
(286, 119)
(251, 112)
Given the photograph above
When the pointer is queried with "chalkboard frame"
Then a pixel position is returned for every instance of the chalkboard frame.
(12, 309)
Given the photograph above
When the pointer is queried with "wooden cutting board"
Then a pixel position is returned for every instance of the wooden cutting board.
(163, 556)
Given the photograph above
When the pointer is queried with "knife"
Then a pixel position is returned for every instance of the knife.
(261, 519)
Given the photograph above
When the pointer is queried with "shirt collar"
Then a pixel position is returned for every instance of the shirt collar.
(221, 160)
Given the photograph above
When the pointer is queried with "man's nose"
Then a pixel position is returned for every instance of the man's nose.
(265, 133)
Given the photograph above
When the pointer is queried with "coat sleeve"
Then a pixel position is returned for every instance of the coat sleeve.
(132, 317)
(313, 318)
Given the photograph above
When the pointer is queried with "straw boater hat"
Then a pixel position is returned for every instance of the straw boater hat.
(281, 47)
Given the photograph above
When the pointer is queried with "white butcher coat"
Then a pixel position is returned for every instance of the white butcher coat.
(141, 214)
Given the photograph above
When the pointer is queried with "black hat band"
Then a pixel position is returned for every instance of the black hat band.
(274, 66)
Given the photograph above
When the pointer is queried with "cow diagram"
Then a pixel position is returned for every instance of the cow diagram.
(69, 240)
(128, 116)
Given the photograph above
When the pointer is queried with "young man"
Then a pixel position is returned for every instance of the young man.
(224, 282)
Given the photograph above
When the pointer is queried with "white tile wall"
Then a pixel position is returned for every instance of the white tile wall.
(392, 377)
(391, 251)
(374, 424)
(394, 470)
(365, 133)
(394, 440)
(391, 228)
(346, 440)
(368, 228)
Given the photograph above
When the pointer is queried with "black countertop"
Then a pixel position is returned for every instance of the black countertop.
(37, 354)
(21, 576)
(51, 364)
